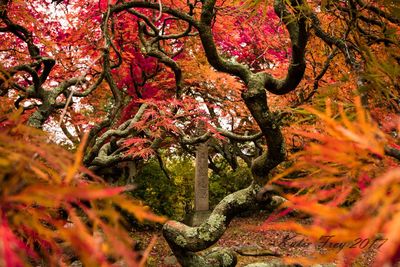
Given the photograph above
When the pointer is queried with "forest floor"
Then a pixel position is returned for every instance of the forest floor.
(244, 234)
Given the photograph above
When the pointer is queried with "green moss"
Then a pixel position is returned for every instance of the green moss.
(216, 221)
(227, 260)
(214, 224)
(229, 198)
(180, 241)
(205, 235)
(222, 256)
(192, 232)
(241, 197)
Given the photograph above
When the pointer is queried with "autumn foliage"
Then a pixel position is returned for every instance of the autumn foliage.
(344, 181)
(304, 94)
(51, 204)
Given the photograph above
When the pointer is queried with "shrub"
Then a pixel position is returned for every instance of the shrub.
(174, 196)
(227, 181)
(171, 196)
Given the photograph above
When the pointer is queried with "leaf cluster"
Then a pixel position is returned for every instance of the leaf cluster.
(52, 210)
(345, 185)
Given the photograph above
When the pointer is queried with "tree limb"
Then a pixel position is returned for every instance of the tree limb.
(393, 152)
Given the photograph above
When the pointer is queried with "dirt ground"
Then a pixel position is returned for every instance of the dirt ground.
(245, 235)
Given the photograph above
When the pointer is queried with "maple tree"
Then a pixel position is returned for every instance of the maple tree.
(142, 77)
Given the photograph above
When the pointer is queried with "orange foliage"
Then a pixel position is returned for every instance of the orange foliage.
(347, 189)
(40, 181)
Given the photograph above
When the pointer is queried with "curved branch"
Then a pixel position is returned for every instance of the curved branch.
(22, 33)
(146, 20)
(331, 40)
(69, 135)
(155, 6)
(296, 26)
(93, 87)
(238, 137)
(152, 50)
(117, 94)
(35, 78)
(379, 12)
(162, 165)
(213, 57)
(223, 132)
(48, 64)
(159, 10)
(123, 131)
(103, 160)
(67, 84)
(318, 78)
(392, 152)
(367, 20)
(185, 240)
(177, 35)
(196, 140)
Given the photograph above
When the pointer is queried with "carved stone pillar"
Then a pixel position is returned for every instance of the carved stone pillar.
(201, 198)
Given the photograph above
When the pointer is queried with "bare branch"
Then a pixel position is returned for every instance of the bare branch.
(196, 140)
(393, 152)
(122, 131)
(69, 135)
(379, 12)
(237, 137)
(144, 4)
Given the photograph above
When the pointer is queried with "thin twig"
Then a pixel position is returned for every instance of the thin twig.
(146, 253)
(160, 10)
